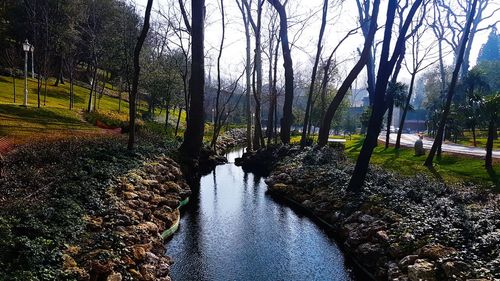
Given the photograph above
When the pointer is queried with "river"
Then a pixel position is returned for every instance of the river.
(235, 231)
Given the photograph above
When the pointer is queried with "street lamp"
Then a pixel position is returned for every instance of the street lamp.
(26, 49)
(213, 116)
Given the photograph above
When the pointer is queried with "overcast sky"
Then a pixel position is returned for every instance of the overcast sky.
(339, 23)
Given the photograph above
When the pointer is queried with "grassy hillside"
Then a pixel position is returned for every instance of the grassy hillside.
(57, 97)
(54, 119)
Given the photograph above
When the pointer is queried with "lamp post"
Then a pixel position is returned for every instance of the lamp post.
(26, 49)
(213, 116)
(32, 50)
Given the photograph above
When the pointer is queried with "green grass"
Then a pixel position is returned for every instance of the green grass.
(57, 97)
(54, 118)
(450, 168)
(481, 137)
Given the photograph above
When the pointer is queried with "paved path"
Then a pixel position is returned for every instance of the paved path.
(408, 140)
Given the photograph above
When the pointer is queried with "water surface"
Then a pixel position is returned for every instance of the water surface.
(235, 231)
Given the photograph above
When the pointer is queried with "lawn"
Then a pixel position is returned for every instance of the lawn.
(450, 168)
(481, 137)
(57, 97)
(54, 119)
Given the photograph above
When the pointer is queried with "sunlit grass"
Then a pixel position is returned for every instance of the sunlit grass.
(450, 168)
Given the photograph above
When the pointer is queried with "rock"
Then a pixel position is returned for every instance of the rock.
(419, 147)
(149, 226)
(382, 236)
(94, 223)
(135, 274)
(455, 269)
(395, 250)
(148, 272)
(129, 195)
(68, 261)
(435, 251)
(114, 276)
(128, 187)
(422, 270)
(366, 218)
(279, 187)
(407, 261)
(138, 252)
(369, 253)
(393, 271)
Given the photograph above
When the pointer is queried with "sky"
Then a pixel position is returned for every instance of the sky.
(306, 20)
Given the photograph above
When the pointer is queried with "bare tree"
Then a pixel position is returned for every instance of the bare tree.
(135, 79)
(319, 48)
(451, 89)
(193, 136)
(258, 137)
(364, 16)
(218, 110)
(353, 74)
(287, 119)
(385, 70)
(419, 62)
(248, 68)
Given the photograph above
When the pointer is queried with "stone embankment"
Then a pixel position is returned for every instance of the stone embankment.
(398, 228)
(125, 242)
(231, 139)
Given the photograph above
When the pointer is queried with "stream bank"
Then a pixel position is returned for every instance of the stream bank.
(88, 209)
(398, 228)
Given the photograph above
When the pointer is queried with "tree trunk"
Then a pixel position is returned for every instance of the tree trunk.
(405, 110)
(474, 135)
(135, 79)
(451, 90)
(324, 130)
(248, 70)
(389, 121)
(363, 16)
(273, 66)
(60, 78)
(303, 140)
(14, 86)
(488, 160)
(193, 136)
(94, 78)
(287, 119)
(386, 68)
(394, 80)
(167, 112)
(178, 121)
(218, 114)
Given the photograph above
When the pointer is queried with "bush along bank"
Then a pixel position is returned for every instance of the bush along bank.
(88, 210)
(209, 158)
(230, 140)
(398, 228)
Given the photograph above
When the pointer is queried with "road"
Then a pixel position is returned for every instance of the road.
(408, 140)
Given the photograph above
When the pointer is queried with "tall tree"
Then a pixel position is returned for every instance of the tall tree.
(353, 74)
(419, 62)
(493, 114)
(248, 69)
(258, 137)
(135, 79)
(386, 68)
(287, 119)
(193, 136)
(319, 48)
(451, 89)
(363, 17)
